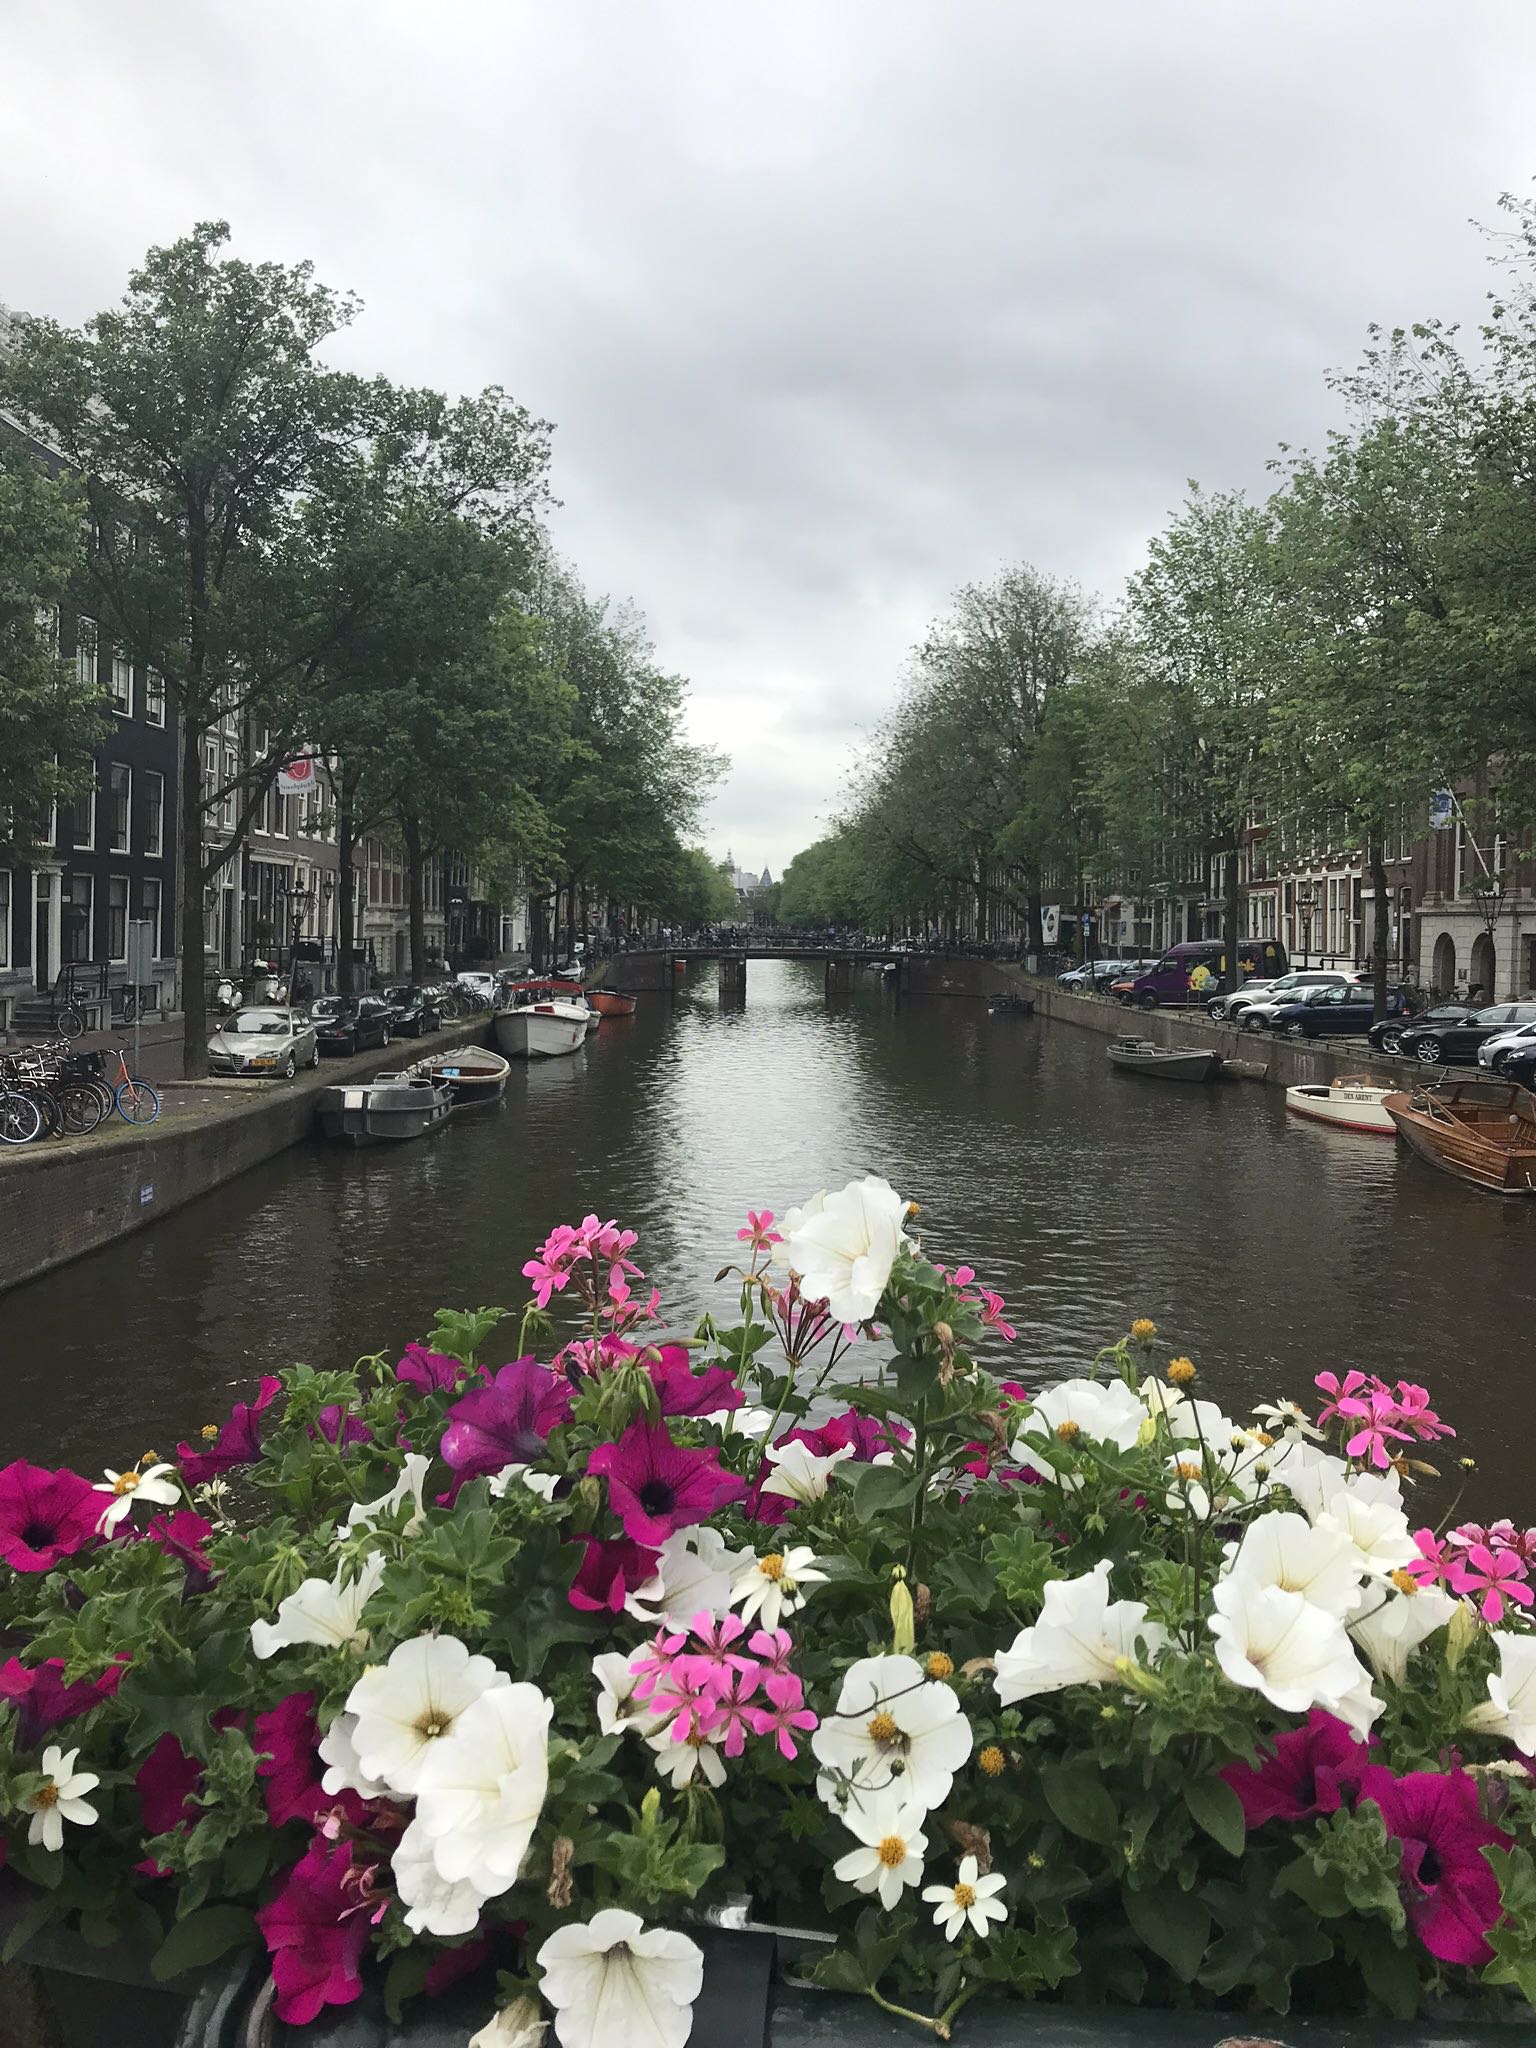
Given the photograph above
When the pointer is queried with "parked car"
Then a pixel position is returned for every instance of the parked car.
(1099, 974)
(1521, 1067)
(264, 1042)
(1194, 971)
(1387, 1036)
(1449, 1041)
(1344, 1011)
(349, 1024)
(415, 1010)
(1495, 1052)
(1259, 1012)
(479, 985)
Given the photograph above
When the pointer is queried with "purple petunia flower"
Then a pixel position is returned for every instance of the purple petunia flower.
(44, 1516)
(610, 1571)
(238, 1442)
(42, 1700)
(340, 1427)
(682, 1391)
(315, 1933)
(1449, 1887)
(431, 1372)
(507, 1422)
(1313, 1770)
(657, 1487)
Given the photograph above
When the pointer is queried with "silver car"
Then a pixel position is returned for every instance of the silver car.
(265, 1041)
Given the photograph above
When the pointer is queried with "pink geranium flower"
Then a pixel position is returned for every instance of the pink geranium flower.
(782, 1712)
(656, 1486)
(1339, 1392)
(1434, 1564)
(1377, 1417)
(610, 1571)
(1312, 1770)
(759, 1231)
(1491, 1578)
(42, 1700)
(316, 1930)
(506, 1423)
(1449, 1888)
(238, 1442)
(44, 1516)
(992, 1314)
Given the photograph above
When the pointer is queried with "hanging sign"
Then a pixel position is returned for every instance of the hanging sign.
(1050, 923)
(297, 777)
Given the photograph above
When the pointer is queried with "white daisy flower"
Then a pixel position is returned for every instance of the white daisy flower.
(61, 1799)
(893, 1846)
(973, 1898)
(156, 1483)
(769, 1587)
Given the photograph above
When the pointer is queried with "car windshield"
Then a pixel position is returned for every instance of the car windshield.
(330, 1007)
(260, 1024)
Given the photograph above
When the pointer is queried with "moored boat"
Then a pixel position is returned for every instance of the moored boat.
(1164, 1062)
(540, 1020)
(473, 1075)
(1011, 1006)
(613, 1002)
(395, 1106)
(1351, 1103)
(1479, 1131)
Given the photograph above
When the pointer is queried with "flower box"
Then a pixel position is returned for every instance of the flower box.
(473, 1690)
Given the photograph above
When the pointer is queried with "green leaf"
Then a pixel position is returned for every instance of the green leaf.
(1173, 1925)
(1217, 1808)
(1077, 1795)
(35, 1918)
(840, 1971)
(201, 1939)
(406, 1975)
(880, 1488)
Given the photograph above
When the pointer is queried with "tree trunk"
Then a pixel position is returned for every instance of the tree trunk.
(416, 876)
(346, 884)
(570, 923)
(1232, 917)
(1375, 861)
(194, 998)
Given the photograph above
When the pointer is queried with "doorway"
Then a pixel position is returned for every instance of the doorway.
(1445, 963)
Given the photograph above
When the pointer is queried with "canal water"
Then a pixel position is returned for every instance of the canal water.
(1266, 1248)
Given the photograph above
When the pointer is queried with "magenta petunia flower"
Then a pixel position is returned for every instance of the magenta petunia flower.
(316, 1931)
(507, 1422)
(42, 1700)
(682, 1391)
(287, 1738)
(609, 1573)
(430, 1372)
(341, 1427)
(182, 1534)
(1449, 1888)
(657, 1487)
(166, 1782)
(1313, 1770)
(238, 1442)
(44, 1516)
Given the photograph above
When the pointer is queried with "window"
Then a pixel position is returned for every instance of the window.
(231, 772)
(82, 815)
(5, 917)
(150, 912)
(154, 697)
(75, 940)
(85, 649)
(154, 811)
(122, 683)
(261, 817)
(117, 917)
(119, 806)
(48, 626)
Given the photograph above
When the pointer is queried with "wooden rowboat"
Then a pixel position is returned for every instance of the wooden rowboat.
(1164, 1062)
(1480, 1131)
(1351, 1103)
(612, 1002)
(473, 1075)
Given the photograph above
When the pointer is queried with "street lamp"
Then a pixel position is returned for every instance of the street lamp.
(1306, 904)
(299, 901)
(1488, 895)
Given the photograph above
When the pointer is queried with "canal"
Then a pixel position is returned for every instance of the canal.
(1265, 1248)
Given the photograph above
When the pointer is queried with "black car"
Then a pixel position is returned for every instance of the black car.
(1453, 1041)
(1387, 1036)
(415, 1009)
(350, 1023)
(1344, 1011)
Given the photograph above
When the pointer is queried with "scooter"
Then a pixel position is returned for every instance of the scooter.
(226, 997)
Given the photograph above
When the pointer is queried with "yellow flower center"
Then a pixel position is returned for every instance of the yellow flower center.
(992, 1761)
(965, 1895)
(432, 1725)
(125, 1482)
(940, 1666)
(892, 1852)
(150, 1458)
(1405, 1582)
(1068, 1431)
(883, 1729)
(771, 1566)
(49, 1795)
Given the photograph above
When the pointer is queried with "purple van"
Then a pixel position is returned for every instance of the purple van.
(1177, 981)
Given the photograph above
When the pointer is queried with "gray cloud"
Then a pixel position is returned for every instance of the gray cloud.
(835, 305)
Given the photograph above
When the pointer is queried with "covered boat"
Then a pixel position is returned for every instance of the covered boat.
(1480, 1131)
(541, 1019)
(613, 1002)
(394, 1106)
(1352, 1103)
(1164, 1062)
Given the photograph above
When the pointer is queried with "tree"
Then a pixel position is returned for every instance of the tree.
(50, 718)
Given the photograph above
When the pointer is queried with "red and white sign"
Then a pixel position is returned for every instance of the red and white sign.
(297, 777)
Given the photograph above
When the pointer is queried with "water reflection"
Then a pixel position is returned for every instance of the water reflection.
(1264, 1246)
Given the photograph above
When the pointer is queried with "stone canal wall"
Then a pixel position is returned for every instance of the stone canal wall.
(64, 1197)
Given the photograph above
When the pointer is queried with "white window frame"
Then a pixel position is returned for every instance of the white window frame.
(122, 678)
(228, 811)
(154, 786)
(157, 914)
(87, 650)
(113, 882)
(88, 844)
(75, 881)
(154, 697)
(114, 768)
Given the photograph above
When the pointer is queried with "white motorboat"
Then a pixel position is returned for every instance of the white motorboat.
(1351, 1103)
(540, 1020)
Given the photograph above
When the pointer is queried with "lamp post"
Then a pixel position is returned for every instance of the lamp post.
(328, 883)
(1306, 904)
(299, 902)
(1488, 895)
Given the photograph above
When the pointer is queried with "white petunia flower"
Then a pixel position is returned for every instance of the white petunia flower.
(844, 1253)
(1287, 1420)
(157, 1484)
(1078, 1408)
(681, 1762)
(749, 1421)
(617, 1707)
(1278, 1644)
(973, 1898)
(1190, 1419)
(616, 1984)
(541, 1483)
(1285, 1550)
(895, 1729)
(767, 1588)
(1390, 1630)
(1078, 1640)
(344, 1772)
(1307, 1473)
(405, 1706)
(1510, 1708)
(61, 1799)
(480, 1791)
(694, 1570)
(799, 1474)
(891, 1858)
(365, 1513)
(792, 1221)
(435, 1905)
(517, 2025)
(1376, 1526)
(324, 1611)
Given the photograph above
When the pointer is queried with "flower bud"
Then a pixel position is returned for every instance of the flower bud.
(1136, 1678)
(586, 1499)
(650, 1811)
(903, 1630)
(1144, 1329)
(944, 1336)
(1180, 1371)
(1461, 1632)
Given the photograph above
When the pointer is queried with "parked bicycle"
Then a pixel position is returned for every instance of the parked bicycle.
(135, 1101)
(56, 1081)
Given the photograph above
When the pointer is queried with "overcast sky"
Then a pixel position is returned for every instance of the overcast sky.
(836, 304)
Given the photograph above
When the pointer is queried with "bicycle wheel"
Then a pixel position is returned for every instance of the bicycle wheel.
(137, 1102)
(130, 1005)
(20, 1118)
(81, 1106)
(50, 1115)
(70, 1021)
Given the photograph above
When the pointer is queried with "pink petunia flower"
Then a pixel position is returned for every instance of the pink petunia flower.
(656, 1486)
(238, 1442)
(1449, 1887)
(682, 1391)
(1491, 1578)
(316, 1931)
(507, 1422)
(1312, 1770)
(44, 1516)
(287, 1738)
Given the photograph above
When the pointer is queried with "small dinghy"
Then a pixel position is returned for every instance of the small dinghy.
(474, 1075)
(1010, 1006)
(613, 1002)
(1351, 1103)
(394, 1106)
(1164, 1062)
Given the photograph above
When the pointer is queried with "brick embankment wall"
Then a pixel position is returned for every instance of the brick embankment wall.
(65, 1197)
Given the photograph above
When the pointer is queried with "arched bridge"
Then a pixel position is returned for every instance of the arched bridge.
(912, 973)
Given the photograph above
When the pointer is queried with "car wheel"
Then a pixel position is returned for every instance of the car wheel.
(1391, 1041)
(384, 1036)
(1427, 1053)
(1148, 1000)
(290, 1067)
(1500, 1063)
(1217, 1012)
(314, 1058)
(1296, 1030)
